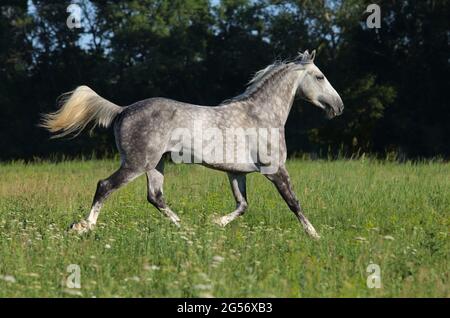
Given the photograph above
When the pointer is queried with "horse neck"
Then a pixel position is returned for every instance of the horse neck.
(278, 97)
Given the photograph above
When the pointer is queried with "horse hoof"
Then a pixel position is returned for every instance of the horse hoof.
(81, 227)
(312, 233)
(315, 236)
(221, 221)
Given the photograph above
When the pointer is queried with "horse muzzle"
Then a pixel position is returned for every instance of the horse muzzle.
(333, 107)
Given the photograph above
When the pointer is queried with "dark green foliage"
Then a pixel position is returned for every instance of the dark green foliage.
(394, 80)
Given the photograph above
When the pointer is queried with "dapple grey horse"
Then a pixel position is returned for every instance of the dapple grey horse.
(144, 133)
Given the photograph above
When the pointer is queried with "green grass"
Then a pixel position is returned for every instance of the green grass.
(393, 215)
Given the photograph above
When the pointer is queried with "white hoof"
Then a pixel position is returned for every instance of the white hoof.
(172, 216)
(176, 221)
(222, 221)
(81, 227)
(311, 231)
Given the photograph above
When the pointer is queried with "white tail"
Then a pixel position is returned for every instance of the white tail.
(79, 108)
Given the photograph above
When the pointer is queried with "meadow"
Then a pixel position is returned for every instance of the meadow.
(394, 215)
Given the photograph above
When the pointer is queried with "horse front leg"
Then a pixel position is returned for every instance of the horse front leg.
(283, 184)
(238, 186)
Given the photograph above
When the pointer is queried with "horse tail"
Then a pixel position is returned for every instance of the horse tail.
(79, 108)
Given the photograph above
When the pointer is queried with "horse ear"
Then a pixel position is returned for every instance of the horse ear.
(305, 56)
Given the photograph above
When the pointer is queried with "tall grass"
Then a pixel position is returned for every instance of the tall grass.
(367, 211)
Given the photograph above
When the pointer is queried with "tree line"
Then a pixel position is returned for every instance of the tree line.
(394, 80)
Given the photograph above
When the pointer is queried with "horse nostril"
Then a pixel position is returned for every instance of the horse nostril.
(339, 104)
(339, 109)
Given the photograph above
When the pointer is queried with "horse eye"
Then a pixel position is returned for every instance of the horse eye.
(320, 77)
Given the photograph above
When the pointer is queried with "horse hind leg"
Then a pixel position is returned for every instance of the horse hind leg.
(155, 181)
(104, 189)
(238, 186)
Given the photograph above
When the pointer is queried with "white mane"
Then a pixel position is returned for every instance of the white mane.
(258, 80)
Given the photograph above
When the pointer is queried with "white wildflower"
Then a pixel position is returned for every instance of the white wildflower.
(8, 278)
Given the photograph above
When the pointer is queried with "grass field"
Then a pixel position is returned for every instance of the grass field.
(393, 215)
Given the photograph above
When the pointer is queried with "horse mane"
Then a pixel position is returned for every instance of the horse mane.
(269, 74)
(260, 79)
